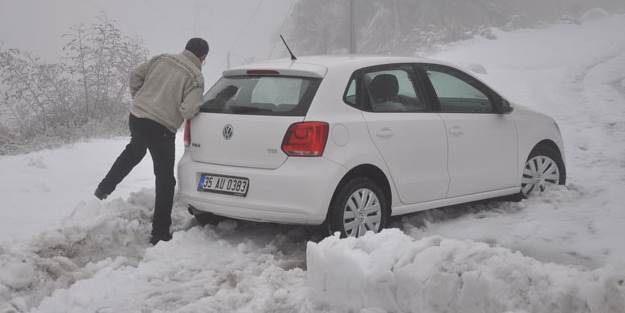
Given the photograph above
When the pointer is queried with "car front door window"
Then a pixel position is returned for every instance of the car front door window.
(458, 93)
(482, 144)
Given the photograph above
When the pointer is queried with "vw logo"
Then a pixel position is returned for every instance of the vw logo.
(228, 131)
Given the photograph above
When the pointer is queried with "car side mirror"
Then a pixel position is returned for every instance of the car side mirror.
(505, 106)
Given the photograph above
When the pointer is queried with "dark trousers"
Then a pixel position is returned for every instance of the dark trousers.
(146, 134)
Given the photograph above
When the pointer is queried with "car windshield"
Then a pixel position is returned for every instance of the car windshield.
(261, 95)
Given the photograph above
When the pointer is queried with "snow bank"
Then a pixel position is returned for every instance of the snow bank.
(394, 272)
(99, 260)
(97, 234)
(198, 271)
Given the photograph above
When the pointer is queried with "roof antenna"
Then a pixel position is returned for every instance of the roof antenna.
(293, 58)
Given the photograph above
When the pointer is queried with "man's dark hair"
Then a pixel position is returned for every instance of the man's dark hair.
(197, 46)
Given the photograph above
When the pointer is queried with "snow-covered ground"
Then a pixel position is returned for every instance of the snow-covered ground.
(40, 189)
(560, 252)
(575, 74)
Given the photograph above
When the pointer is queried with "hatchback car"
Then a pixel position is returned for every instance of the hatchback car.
(351, 140)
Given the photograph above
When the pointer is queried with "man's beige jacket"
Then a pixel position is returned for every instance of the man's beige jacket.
(167, 89)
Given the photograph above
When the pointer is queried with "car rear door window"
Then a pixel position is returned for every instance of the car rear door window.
(393, 90)
(458, 92)
(350, 93)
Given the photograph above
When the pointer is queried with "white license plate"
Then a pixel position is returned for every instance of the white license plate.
(229, 185)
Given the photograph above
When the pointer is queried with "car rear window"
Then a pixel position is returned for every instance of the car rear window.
(261, 95)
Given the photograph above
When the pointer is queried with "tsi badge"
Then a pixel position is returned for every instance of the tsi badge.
(228, 132)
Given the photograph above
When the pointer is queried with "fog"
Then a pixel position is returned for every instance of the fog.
(407, 27)
(246, 28)
(238, 32)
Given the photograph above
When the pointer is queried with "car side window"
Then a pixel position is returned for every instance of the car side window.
(458, 92)
(350, 93)
(392, 90)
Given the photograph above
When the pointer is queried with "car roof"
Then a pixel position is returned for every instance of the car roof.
(317, 66)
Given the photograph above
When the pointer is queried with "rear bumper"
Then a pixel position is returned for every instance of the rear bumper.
(299, 192)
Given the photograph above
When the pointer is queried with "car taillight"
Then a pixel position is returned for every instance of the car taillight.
(187, 133)
(306, 139)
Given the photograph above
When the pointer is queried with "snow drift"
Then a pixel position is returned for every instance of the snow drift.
(96, 235)
(99, 260)
(394, 272)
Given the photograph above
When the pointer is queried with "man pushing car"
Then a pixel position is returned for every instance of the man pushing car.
(166, 90)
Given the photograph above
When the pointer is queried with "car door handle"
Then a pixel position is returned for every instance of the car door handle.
(385, 133)
(456, 131)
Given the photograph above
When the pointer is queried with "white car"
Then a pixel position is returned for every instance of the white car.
(351, 140)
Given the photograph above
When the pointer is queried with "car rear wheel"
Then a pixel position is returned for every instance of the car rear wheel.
(543, 167)
(359, 206)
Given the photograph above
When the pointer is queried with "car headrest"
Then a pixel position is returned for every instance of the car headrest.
(384, 87)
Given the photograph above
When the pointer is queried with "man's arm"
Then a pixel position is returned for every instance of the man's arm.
(137, 77)
(192, 100)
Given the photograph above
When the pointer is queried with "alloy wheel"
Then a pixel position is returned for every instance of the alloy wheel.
(362, 213)
(539, 172)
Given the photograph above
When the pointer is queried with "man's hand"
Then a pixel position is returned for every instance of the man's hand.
(192, 101)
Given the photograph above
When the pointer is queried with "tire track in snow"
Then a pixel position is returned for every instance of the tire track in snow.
(606, 74)
(600, 113)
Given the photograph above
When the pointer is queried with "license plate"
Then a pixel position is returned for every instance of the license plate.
(229, 185)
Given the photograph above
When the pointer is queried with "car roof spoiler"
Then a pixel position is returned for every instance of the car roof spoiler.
(296, 69)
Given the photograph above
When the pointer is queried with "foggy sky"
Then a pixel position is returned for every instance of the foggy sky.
(164, 25)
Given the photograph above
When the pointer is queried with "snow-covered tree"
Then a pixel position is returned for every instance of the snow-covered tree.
(87, 90)
(100, 58)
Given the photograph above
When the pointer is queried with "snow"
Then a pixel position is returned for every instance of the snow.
(476, 68)
(93, 236)
(17, 274)
(594, 14)
(570, 73)
(560, 252)
(62, 251)
(41, 188)
(396, 273)
(239, 277)
(100, 260)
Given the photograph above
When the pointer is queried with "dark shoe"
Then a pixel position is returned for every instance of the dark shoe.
(155, 239)
(100, 194)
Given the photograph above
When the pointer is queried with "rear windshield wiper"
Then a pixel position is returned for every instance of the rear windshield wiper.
(212, 106)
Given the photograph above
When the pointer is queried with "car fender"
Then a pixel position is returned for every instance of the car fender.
(534, 127)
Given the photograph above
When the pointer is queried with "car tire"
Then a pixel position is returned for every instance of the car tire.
(349, 216)
(544, 165)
